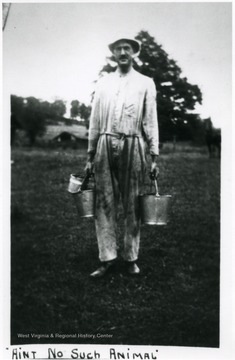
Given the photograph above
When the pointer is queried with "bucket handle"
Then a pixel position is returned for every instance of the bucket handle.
(156, 187)
(85, 181)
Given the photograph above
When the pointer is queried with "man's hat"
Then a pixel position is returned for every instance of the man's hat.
(134, 43)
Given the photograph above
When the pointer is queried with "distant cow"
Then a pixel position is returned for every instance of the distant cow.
(212, 138)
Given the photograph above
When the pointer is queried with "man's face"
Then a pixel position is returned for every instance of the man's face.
(123, 53)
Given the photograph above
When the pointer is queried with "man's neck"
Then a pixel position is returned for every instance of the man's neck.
(124, 70)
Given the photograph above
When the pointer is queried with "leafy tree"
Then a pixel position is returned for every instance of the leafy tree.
(74, 110)
(58, 108)
(17, 104)
(176, 97)
(85, 112)
(15, 124)
(80, 109)
(32, 119)
(46, 109)
(29, 115)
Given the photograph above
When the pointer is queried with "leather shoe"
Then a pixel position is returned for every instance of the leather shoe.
(102, 270)
(133, 269)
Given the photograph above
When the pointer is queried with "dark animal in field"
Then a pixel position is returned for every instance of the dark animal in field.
(212, 138)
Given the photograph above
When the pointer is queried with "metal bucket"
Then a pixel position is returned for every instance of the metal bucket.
(154, 208)
(85, 203)
(83, 196)
(75, 183)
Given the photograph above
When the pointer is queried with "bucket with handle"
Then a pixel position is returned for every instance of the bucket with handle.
(75, 183)
(84, 198)
(154, 208)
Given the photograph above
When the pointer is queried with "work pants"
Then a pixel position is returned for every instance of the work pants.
(119, 168)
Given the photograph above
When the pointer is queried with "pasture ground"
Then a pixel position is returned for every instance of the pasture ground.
(174, 302)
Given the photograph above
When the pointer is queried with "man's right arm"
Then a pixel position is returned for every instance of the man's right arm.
(90, 163)
(94, 132)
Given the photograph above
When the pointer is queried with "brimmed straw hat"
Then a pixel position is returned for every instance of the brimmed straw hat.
(134, 43)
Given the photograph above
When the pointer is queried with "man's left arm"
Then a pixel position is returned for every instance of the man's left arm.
(154, 170)
(150, 127)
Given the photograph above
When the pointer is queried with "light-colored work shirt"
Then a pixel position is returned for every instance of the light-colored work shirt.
(125, 104)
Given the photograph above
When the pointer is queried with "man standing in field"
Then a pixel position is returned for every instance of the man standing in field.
(124, 110)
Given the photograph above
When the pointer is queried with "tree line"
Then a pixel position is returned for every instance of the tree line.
(31, 114)
(176, 98)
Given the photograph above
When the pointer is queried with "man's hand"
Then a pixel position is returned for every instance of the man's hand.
(89, 168)
(154, 170)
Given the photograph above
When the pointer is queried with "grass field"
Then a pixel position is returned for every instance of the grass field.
(174, 302)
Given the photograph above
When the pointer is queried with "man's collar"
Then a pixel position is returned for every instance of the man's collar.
(121, 74)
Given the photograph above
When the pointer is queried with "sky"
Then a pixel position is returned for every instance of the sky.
(56, 50)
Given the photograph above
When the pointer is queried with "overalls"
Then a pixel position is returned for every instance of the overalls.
(116, 135)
